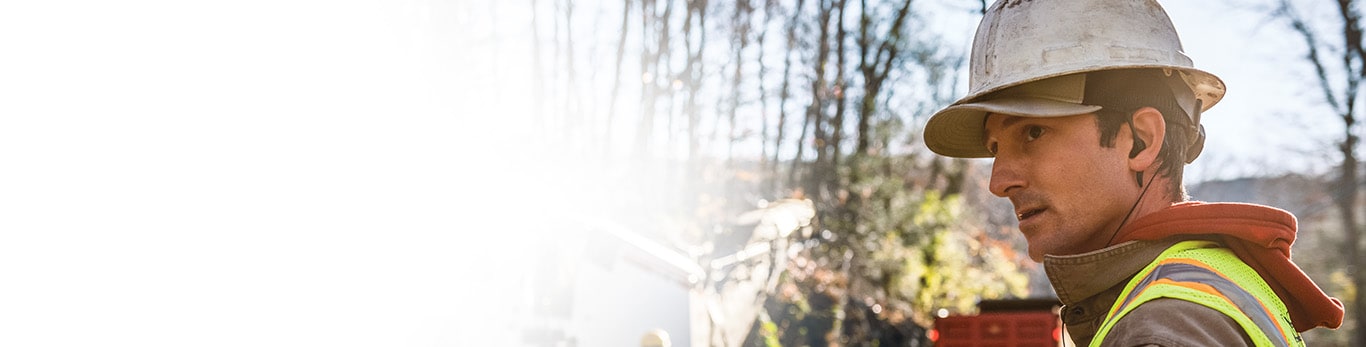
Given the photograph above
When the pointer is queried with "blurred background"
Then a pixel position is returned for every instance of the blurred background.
(575, 172)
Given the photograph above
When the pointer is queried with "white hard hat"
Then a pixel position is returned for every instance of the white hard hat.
(1029, 58)
(655, 338)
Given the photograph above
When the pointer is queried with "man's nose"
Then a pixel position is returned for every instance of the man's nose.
(1005, 177)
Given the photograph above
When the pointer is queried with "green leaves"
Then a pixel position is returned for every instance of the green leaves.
(932, 255)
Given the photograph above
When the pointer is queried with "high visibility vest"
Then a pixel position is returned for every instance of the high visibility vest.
(1208, 274)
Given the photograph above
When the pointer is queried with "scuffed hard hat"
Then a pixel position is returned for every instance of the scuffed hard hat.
(1027, 61)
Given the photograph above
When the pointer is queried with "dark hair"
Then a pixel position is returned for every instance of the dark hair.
(1121, 92)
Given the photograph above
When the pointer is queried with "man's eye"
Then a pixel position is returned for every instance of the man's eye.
(1033, 132)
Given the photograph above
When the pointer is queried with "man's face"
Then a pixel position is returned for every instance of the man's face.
(1069, 192)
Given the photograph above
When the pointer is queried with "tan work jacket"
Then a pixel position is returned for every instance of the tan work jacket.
(1088, 285)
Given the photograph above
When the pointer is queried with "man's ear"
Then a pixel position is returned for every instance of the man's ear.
(1150, 129)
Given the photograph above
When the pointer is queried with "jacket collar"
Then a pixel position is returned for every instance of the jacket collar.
(1081, 276)
(1089, 283)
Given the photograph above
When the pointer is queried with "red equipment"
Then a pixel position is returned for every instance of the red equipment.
(1022, 323)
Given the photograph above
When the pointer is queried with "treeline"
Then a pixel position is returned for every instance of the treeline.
(690, 112)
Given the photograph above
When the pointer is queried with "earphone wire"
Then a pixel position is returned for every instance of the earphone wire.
(1131, 210)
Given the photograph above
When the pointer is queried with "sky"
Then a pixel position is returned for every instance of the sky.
(1273, 119)
(282, 173)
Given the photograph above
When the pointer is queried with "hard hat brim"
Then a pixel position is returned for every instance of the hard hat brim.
(958, 130)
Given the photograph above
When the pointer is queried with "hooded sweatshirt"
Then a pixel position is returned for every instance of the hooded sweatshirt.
(1261, 236)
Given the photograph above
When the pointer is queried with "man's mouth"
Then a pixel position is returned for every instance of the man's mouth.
(1027, 213)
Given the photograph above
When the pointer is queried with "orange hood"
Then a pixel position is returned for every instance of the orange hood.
(1261, 236)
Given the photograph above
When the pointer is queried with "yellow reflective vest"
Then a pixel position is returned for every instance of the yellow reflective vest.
(1205, 273)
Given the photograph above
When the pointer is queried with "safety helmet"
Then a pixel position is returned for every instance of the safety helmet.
(655, 338)
(1029, 58)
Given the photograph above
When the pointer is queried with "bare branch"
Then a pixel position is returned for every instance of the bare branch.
(1311, 42)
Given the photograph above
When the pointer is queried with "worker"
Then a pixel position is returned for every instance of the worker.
(1091, 110)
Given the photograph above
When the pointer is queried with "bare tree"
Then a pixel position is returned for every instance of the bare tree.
(1343, 64)
(815, 111)
(663, 71)
(784, 91)
(693, 72)
(741, 22)
(769, 7)
(616, 75)
(841, 86)
(648, 56)
(876, 63)
(654, 67)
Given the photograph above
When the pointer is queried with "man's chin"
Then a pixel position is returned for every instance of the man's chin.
(1036, 252)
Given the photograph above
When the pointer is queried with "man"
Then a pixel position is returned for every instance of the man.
(1091, 110)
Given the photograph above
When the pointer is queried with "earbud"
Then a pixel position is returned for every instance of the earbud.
(1139, 146)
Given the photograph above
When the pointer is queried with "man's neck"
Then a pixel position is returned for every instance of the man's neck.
(1154, 197)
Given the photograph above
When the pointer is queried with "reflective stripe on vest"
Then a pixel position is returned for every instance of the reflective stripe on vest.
(1204, 273)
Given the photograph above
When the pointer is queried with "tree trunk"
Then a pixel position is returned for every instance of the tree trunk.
(740, 20)
(784, 92)
(815, 112)
(693, 71)
(616, 76)
(795, 166)
(664, 73)
(1354, 59)
(841, 87)
(1346, 200)
(647, 83)
(769, 5)
(1346, 188)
